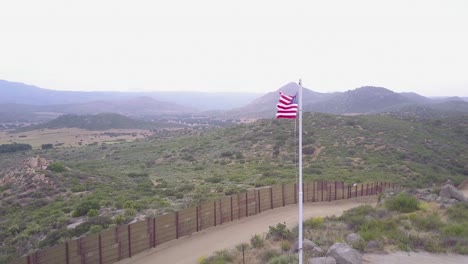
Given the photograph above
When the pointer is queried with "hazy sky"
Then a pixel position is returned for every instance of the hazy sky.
(237, 45)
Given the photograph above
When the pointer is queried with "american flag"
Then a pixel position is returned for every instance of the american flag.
(287, 106)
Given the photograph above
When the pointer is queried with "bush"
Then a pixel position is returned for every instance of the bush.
(283, 260)
(458, 212)
(95, 229)
(314, 223)
(279, 232)
(47, 146)
(56, 167)
(220, 257)
(8, 148)
(403, 203)
(456, 230)
(426, 222)
(93, 213)
(355, 217)
(257, 241)
(285, 245)
(269, 254)
(84, 207)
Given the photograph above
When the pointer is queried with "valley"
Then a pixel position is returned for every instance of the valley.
(77, 170)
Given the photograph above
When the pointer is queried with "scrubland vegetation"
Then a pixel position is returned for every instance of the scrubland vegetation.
(93, 187)
(400, 223)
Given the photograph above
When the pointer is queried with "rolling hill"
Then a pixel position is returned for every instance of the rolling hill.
(102, 121)
(363, 100)
(23, 94)
(177, 168)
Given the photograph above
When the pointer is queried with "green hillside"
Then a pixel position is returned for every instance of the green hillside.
(103, 121)
(177, 168)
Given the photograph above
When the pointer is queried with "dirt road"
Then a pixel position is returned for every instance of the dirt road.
(188, 250)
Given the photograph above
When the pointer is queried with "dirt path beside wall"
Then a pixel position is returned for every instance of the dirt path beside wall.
(188, 250)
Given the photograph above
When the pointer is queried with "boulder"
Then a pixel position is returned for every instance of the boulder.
(449, 191)
(373, 245)
(322, 260)
(344, 254)
(353, 238)
(429, 197)
(309, 246)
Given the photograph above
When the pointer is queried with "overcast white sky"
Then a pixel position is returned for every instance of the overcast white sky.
(241, 45)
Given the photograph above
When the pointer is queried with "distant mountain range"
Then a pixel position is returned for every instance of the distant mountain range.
(21, 102)
(20, 93)
(364, 100)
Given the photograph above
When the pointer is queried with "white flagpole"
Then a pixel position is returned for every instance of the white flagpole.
(300, 171)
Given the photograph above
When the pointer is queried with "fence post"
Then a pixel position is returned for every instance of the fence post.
(129, 231)
(100, 248)
(335, 192)
(80, 250)
(198, 216)
(362, 189)
(313, 191)
(295, 193)
(282, 193)
(271, 197)
(259, 205)
(67, 254)
(355, 191)
(177, 224)
(220, 212)
(321, 190)
(238, 207)
(154, 232)
(246, 204)
(214, 212)
(329, 193)
(117, 240)
(29, 259)
(342, 186)
(303, 194)
(231, 210)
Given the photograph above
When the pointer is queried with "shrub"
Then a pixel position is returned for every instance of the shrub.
(47, 146)
(56, 167)
(426, 222)
(84, 207)
(456, 230)
(458, 212)
(220, 257)
(269, 254)
(403, 203)
(279, 232)
(283, 260)
(93, 213)
(314, 223)
(433, 245)
(355, 217)
(242, 246)
(285, 245)
(95, 229)
(257, 241)
(7, 148)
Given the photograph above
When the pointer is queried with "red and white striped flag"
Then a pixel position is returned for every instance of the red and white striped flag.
(287, 106)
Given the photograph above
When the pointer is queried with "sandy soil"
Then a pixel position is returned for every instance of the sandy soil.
(72, 137)
(414, 258)
(189, 249)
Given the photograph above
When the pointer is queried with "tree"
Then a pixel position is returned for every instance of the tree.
(47, 146)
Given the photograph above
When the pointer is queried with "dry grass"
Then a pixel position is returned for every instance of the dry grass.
(73, 137)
